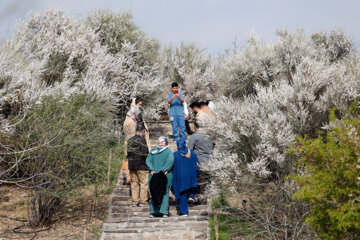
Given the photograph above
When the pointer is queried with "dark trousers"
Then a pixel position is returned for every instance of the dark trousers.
(188, 129)
(203, 181)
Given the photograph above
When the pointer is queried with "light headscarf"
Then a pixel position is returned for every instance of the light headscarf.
(133, 102)
(133, 112)
(162, 145)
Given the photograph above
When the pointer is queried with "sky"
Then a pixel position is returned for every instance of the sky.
(213, 25)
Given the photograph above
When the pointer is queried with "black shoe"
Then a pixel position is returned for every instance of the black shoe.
(124, 182)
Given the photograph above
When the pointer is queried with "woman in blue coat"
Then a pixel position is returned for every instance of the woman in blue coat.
(185, 173)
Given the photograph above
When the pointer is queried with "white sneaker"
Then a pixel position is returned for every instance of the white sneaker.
(184, 215)
(165, 216)
(191, 200)
(151, 216)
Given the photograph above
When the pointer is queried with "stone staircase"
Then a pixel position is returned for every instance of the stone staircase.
(162, 128)
(133, 223)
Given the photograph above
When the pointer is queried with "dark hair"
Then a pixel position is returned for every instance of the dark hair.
(194, 105)
(202, 104)
(140, 125)
(137, 100)
(174, 84)
(196, 124)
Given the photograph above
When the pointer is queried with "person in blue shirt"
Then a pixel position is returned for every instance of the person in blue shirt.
(176, 99)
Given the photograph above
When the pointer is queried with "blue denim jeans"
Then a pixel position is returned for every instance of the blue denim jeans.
(178, 123)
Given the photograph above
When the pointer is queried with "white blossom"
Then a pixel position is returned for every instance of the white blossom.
(277, 91)
(52, 54)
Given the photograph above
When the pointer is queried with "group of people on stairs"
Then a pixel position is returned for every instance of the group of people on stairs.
(155, 172)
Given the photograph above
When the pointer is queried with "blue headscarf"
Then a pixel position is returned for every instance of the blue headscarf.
(185, 170)
(181, 145)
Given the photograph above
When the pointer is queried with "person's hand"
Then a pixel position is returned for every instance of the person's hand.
(152, 172)
(177, 95)
(166, 172)
(128, 181)
(186, 117)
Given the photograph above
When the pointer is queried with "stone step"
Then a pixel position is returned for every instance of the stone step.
(153, 229)
(121, 186)
(156, 235)
(133, 223)
(121, 203)
(172, 146)
(172, 213)
(156, 219)
(124, 194)
(125, 212)
(119, 215)
(141, 214)
(117, 229)
(120, 198)
(165, 226)
(171, 207)
(149, 233)
(122, 191)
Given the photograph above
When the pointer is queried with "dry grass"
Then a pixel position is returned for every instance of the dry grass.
(73, 222)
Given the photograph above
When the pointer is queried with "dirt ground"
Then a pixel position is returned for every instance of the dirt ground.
(72, 223)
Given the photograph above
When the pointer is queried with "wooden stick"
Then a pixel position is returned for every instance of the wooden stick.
(216, 227)
(85, 233)
(109, 169)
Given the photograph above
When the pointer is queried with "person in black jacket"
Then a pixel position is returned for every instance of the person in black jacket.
(139, 173)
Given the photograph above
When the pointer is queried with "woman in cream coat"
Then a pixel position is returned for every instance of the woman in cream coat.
(133, 118)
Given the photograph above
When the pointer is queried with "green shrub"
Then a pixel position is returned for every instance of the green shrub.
(219, 203)
(60, 145)
(224, 230)
(20, 203)
(331, 178)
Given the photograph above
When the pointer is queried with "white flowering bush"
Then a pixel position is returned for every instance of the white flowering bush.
(278, 91)
(274, 92)
(116, 31)
(54, 56)
(52, 53)
(195, 71)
